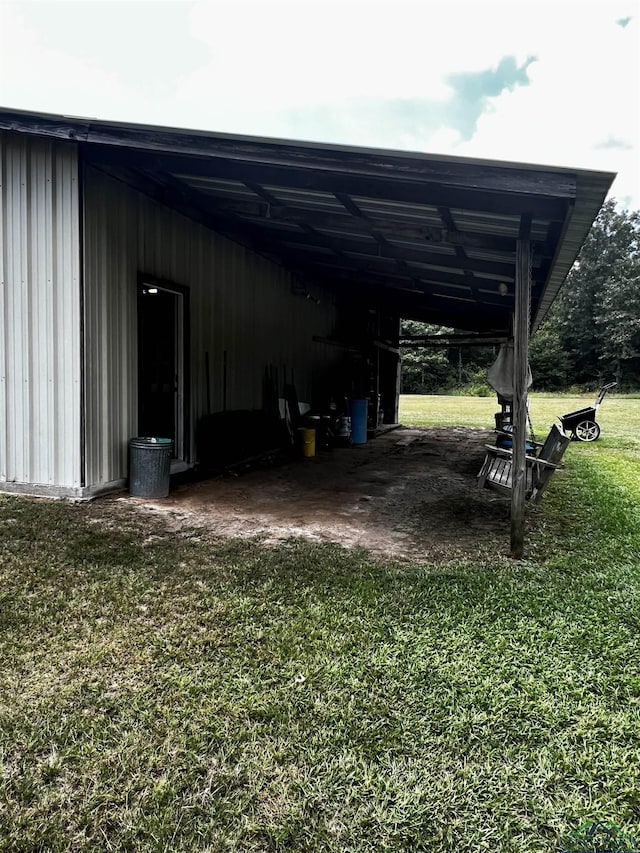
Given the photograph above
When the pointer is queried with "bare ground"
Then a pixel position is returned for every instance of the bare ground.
(409, 494)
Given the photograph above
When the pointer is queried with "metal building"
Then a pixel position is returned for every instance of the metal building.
(140, 259)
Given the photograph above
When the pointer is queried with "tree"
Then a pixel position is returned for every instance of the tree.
(548, 360)
(434, 370)
(596, 319)
(424, 369)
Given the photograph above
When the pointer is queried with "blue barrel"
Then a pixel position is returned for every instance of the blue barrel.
(358, 409)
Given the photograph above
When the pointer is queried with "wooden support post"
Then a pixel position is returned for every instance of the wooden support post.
(392, 412)
(520, 375)
(393, 417)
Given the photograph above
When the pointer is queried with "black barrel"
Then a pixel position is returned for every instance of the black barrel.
(150, 467)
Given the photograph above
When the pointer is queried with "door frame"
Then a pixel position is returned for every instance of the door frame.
(182, 449)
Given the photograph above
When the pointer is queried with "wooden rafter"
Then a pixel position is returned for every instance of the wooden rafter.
(312, 177)
(461, 254)
(455, 340)
(398, 192)
(275, 211)
(379, 236)
(413, 253)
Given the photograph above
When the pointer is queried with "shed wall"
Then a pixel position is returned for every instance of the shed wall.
(40, 354)
(239, 303)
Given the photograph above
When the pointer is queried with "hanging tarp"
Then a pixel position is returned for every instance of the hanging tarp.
(500, 374)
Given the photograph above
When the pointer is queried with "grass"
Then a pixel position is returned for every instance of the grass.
(619, 415)
(163, 692)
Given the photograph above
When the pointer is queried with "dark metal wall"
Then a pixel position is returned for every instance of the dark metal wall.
(240, 304)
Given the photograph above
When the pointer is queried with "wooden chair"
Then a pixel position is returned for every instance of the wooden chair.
(496, 469)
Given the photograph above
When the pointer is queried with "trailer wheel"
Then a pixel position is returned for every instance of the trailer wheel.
(587, 431)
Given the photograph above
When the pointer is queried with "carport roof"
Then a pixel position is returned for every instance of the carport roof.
(431, 237)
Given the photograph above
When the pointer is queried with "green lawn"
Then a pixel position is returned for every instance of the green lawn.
(619, 415)
(181, 693)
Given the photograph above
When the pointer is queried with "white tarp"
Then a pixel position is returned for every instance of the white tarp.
(500, 374)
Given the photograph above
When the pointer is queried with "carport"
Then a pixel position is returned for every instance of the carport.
(480, 246)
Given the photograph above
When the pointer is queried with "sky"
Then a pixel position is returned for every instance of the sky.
(540, 81)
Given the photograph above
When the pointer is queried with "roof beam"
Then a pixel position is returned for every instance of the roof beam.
(458, 317)
(291, 214)
(320, 239)
(419, 282)
(415, 306)
(348, 203)
(389, 229)
(172, 194)
(411, 253)
(447, 218)
(389, 185)
(395, 283)
(436, 341)
(360, 217)
(516, 178)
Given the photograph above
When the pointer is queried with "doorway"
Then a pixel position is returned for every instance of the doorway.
(162, 362)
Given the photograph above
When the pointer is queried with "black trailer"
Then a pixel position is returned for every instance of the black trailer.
(582, 423)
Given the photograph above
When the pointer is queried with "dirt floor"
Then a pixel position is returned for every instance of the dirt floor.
(410, 493)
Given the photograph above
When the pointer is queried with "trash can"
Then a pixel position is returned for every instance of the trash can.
(149, 467)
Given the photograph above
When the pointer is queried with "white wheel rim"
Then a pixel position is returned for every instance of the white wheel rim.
(587, 431)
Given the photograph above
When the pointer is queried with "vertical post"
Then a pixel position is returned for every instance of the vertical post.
(390, 373)
(393, 416)
(520, 374)
(378, 405)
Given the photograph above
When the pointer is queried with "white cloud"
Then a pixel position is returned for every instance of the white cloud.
(577, 99)
(285, 54)
(341, 70)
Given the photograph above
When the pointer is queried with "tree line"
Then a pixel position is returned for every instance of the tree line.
(590, 336)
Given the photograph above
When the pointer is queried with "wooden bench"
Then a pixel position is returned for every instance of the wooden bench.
(496, 469)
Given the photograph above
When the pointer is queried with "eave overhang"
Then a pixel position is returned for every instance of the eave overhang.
(428, 237)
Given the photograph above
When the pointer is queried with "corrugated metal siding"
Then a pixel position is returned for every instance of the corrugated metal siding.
(39, 313)
(239, 303)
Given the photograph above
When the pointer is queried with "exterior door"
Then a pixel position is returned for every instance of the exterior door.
(161, 363)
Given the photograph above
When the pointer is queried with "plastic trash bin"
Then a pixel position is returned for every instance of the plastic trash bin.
(150, 467)
(358, 409)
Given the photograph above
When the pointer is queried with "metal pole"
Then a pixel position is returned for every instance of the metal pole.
(520, 370)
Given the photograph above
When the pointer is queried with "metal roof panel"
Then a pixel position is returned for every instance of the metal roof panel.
(252, 188)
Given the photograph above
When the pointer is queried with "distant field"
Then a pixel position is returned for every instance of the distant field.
(619, 415)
